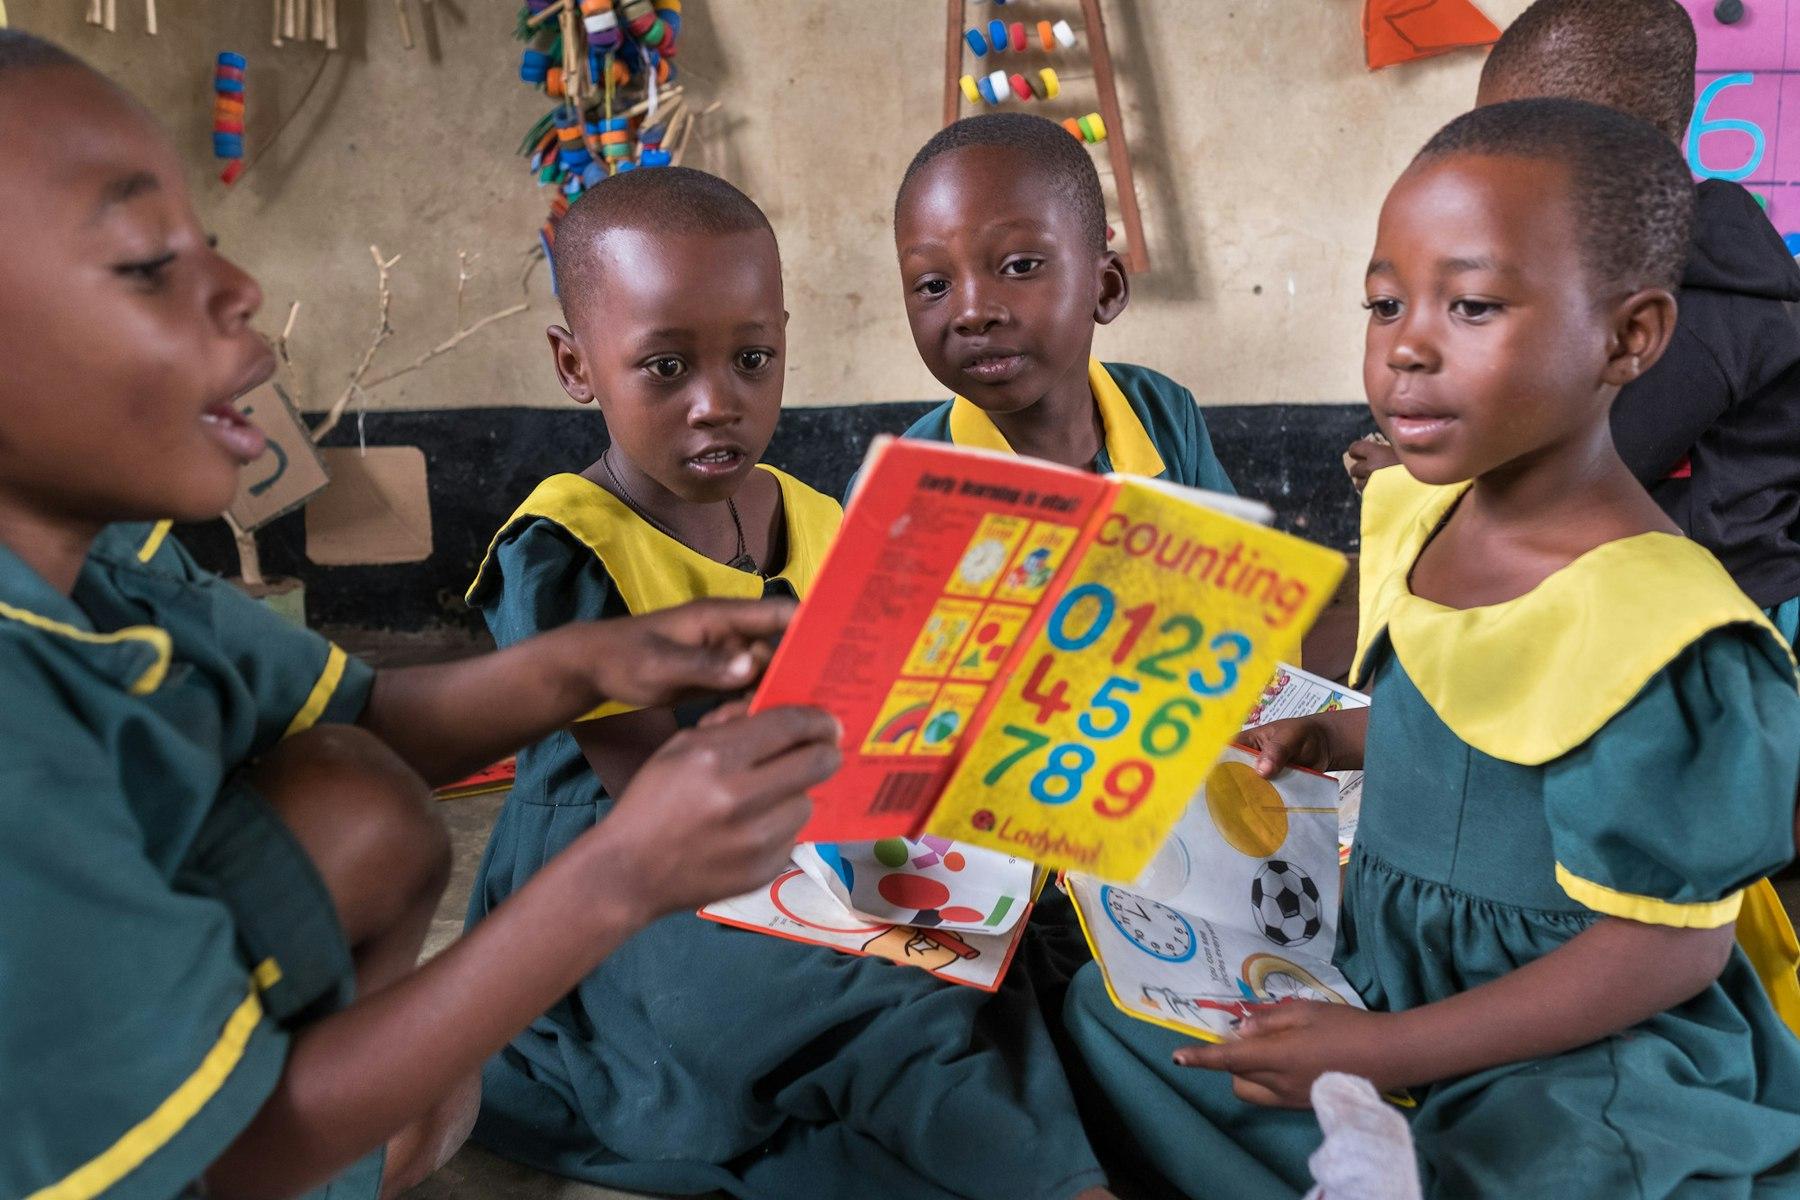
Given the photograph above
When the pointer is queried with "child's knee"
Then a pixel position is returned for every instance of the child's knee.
(366, 818)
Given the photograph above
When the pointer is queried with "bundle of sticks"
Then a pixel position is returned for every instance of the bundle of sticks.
(305, 20)
(105, 13)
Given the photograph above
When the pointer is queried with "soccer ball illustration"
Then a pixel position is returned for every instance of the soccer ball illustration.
(1285, 903)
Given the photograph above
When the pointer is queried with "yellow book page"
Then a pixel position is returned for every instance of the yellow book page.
(1170, 625)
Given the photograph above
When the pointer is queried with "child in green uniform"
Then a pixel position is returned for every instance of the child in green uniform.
(218, 859)
(1539, 908)
(1709, 431)
(1000, 226)
(703, 1057)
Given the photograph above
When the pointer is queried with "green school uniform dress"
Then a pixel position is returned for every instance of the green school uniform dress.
(1153, 428)
(701, 1057)
(1623, 741)
(160, 930)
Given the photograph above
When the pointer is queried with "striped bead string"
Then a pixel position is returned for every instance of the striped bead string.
(228, 114)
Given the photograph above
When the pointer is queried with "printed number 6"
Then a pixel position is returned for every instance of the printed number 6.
(1703, 125)
(1104, 699)
(1240, 647)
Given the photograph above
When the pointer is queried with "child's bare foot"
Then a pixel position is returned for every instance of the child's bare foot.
(417, 1151)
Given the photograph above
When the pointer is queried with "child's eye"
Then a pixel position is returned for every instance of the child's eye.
(1020, 266)
(666, 366)
(1474, 310)
(932, 288)
(1383, 308)
(755, 360)
(148, 272)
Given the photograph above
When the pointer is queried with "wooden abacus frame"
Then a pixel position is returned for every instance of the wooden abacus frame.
(1137, 255)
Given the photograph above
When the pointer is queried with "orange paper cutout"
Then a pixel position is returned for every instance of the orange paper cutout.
(1397, 31)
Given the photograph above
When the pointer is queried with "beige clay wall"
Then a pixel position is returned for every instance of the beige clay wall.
(1262, 145)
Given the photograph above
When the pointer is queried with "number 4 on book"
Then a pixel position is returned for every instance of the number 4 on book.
(1034, 659)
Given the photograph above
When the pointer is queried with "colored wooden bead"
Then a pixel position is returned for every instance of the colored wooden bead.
(236, 127)
(1017, 32)
(1093, 128)
(229, 59)
(615, 137)
(1051, 84)
(1020, 88)
(616, 150)
(553, 81)
(655, 158)
(228, 86)
(997, 35)
(1037, 89)
(229, 73)
(977, 43)
(656, 33)
(1074, 127)
(985, 86)
(970, 90)
(534, 66)
(232, 170)
(1064, 34)
(615, 123)
(1046, 37)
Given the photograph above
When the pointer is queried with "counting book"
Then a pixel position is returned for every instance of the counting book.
(1037, 660)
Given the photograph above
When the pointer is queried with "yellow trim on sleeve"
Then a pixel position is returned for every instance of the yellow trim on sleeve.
(321, 694)
(171, 1116)
(1708, 914)
(157, 639)
(1128, 443)
(267, 974)
(154, 542)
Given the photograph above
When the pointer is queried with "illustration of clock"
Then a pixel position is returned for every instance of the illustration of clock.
(982, 561)
(1270, 979)
(1156, 929)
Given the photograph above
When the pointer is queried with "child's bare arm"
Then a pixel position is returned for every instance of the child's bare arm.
(617, 747)
(1606, 979)
(450, 719)
(352, 1079)
(1330, 741)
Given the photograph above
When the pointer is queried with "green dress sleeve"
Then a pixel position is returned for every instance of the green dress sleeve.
(134, 1048)
(296, 679)
(1686, 797)
(1209, 472)
(543, 578)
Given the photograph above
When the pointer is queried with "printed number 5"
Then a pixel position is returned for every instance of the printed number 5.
(1239, 646)
(1703, 125)
(1104, 699)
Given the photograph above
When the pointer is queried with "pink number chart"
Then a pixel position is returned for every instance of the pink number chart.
(1746, 125)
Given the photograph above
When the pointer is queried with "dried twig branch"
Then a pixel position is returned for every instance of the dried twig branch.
(383, 331)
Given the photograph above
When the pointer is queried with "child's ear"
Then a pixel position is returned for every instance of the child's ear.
(1115, 289)
(571, 368)
(1642, 323)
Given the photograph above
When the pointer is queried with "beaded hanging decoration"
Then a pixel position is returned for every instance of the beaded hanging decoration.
(228, 114)
(607, 64)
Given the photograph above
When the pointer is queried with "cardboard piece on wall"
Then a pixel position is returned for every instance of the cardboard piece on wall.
(376, 510)
(289, 471)
(1397, 31)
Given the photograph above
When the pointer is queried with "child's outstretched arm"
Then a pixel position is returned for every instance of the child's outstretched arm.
(1593, 985)
(1331, 741)
(356, 1077)
(447, 720)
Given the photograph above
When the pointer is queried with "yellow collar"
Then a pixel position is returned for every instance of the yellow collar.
(1530, 679)
(651, 569)
(1128, 445)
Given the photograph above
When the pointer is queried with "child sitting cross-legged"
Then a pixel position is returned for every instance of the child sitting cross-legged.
(218, 852)
(1582, 752)
(702, 1057)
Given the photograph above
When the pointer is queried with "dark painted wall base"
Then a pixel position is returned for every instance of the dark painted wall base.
(483, 462)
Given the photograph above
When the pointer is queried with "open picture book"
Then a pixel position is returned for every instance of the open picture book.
(1037, 661)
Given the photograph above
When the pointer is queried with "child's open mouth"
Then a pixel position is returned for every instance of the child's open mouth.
(242, 440)
(997, 368)
(722, 460)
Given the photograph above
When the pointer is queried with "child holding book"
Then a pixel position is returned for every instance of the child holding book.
(1709, 430)
(1000, 225)
(1539, 908)
(703, 1057)
(218, 858)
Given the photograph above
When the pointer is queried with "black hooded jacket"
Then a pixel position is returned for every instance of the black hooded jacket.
(1725, 399)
